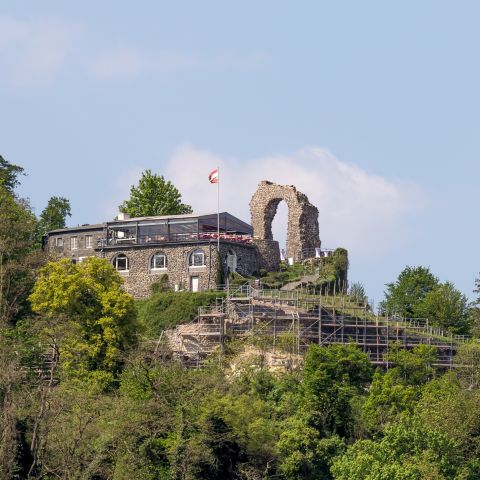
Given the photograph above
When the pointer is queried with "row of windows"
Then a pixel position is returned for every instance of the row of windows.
(74, 242)
(159, 260)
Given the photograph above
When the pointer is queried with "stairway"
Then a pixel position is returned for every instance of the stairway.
(304, 280)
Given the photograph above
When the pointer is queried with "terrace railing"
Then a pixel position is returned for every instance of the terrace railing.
(174, 238)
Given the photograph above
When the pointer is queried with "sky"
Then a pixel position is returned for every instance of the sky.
(370, 108)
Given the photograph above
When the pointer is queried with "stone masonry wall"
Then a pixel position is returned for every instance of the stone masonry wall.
(302, 230)
(139, 278)
(66, 250)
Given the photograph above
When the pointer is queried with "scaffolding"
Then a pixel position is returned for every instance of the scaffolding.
(290, 321)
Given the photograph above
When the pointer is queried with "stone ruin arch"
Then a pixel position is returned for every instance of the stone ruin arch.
(302, 231)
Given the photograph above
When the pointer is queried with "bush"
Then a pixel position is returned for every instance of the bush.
(168, 309)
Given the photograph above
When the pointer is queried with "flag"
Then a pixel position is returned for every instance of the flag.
(213, 177)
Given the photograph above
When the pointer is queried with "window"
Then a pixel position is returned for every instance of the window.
(197, 258)
(159, 260)
(120, 262)
(88, 241)
(73, 243)
(59, 242)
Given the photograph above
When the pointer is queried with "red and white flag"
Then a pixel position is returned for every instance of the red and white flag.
(213, 177)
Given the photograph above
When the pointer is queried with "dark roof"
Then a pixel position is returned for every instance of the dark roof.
(100, 226)
(78, 228)
(188, 216)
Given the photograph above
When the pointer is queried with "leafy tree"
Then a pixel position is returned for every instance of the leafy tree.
(154, 196)
(399, 389)
(404, 295)
(53, 217)
(418, 293)
(474, 313)
(413, 367)
(332, 376)
(446, 307)
(85, 305)
(17, 260)
(358, 294)
(304, 454)
(9, 175)
(467, 360)
(409, 450)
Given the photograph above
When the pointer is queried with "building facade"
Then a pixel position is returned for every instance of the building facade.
(181, 250)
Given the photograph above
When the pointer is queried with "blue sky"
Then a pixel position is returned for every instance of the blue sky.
(371, 108)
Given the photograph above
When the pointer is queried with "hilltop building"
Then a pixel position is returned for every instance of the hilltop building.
(184, 247)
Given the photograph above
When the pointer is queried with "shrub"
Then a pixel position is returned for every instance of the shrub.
(168, 309)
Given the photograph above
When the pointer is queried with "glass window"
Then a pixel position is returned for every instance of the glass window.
(59, 242)
(120, 262)
(197, 258)
(88, 241)
(73, 243)
(159, 260)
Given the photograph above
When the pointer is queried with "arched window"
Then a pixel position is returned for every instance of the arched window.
(197, 258)
(120, 262)
(158, 260)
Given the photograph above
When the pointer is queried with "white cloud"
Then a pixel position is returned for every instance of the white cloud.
(363, 212)
(33, 50)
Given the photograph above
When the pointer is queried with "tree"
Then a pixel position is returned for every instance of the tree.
(474, 313)
(409, 450)
(399, 389)
(404, 295)
(53, 217)
(358, 294)
(154, 196)
(304, 454)
(85, 305)
(446, 307)
(9, 175)
(17, 260)
(332, 377)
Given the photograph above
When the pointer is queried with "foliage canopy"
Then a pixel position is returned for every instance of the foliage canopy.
(154, 196)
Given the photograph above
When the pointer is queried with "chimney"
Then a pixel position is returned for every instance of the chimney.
(123, 216)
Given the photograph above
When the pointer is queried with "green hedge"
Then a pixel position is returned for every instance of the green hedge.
(168, 309)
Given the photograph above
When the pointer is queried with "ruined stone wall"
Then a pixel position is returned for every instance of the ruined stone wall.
(268, 254)
(302, 229)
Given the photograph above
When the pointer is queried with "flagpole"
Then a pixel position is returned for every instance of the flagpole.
(218, 210)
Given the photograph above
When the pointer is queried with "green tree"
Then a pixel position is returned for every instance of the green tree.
(404, 295)
(399, 389)
(154, 196)
(17, 260)
(9, 174)
(358, 294)
(332, 377)
(446, 307)
(474, 313)
(304, 454)
(53, 217)
(85, 306)
(409, 450)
